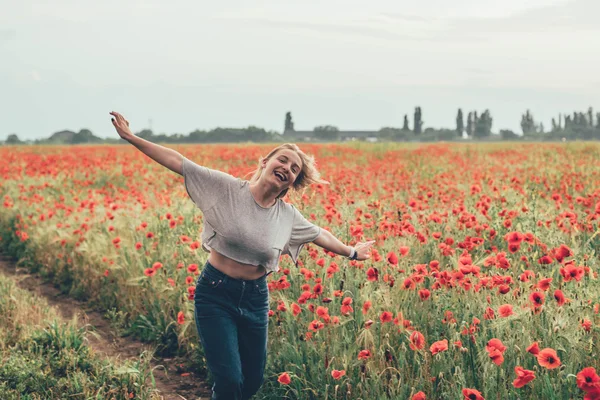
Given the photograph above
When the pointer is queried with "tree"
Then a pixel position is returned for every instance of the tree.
(470, 125)
(327, 132)
(507, 134)
(460, 125)
(389, 133)
(405, 127)
(590, 119)
(85, 136)
(289, 124)
(418, 121)
(145, 134)
(483, 125)
(598, 120)
(528, 124)
(559, 121)
(13, 139)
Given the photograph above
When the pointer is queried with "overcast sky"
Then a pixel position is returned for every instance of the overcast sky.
(182, 65)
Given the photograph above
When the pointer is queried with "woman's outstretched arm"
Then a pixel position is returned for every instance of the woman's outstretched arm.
(168, 158)
(329, 242)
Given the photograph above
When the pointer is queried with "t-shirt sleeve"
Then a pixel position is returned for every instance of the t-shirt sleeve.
(303, 231)
(205, 186)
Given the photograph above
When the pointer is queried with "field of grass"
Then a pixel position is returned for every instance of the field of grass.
(42, 357)
(483, 281)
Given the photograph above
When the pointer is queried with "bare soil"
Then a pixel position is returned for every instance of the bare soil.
(170, 384)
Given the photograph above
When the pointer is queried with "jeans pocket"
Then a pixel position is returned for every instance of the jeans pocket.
(211, 282)
(263, 288)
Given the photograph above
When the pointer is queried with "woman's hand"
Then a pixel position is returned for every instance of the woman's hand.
(121, 125)
(362, 250)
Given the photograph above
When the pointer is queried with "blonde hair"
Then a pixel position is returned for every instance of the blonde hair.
(307, 176)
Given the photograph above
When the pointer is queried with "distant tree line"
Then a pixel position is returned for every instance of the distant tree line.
(476, 126)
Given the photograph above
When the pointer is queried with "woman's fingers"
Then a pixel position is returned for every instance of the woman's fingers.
(119, 121)
(118, 116)
(115, 118)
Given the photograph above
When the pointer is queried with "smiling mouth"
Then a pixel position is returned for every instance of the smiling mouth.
(280, 176)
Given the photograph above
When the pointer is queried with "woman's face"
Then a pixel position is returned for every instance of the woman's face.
(282, 168)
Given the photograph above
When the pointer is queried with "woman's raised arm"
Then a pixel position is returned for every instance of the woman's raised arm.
(329, 242)
(166, 157)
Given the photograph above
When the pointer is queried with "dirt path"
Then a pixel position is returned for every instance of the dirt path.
(171, 387)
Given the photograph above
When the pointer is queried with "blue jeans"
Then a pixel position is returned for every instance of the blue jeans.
(232, 321)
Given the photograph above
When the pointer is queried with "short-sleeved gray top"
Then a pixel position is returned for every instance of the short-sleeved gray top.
(236, 226)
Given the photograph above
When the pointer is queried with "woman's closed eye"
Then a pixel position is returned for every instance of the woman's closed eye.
(293, 169)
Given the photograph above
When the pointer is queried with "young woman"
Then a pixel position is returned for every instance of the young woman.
(247, 227)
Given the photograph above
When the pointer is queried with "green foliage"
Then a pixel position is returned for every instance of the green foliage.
(50, 359)
(289, 124)
(483, 125)
(327, 132)
(460, 124)
(418, 121)
(528, 125)
(157, 327)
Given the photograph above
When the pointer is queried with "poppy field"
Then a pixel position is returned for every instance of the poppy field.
(482, 283)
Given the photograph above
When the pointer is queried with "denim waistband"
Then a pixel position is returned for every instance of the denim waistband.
(210, 270)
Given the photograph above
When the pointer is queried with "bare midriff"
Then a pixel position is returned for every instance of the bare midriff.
(235, 269)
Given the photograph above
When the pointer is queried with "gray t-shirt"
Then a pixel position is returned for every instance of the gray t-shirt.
(236, 226)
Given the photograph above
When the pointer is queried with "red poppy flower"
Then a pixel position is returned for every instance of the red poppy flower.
(366, 306)
(392, 258)
(534, 348)
(417, 340)
(505, 310)
(496, 356)
(419, 396)
(544, 284)
(335, 374)
(386, 316)
(318, 289)
(562, 252)
(284, 379)
(315, 325)
(537, 299)
(472, 394)
(524, 376)
(438, 347)
(559, 297)
(593, 394)
(514, 237)
(548, 358)
(364, 355)
(409, 284)
(570, 272)
(296, 309)
(545, 260)
(372, 274)
(495, 344)
(588, 379)
(489, 314)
